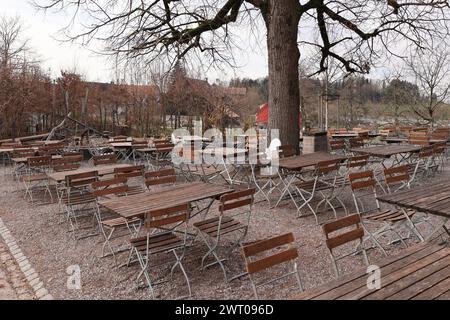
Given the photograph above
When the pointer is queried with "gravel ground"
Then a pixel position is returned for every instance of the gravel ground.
(13, 285)
(51, 250)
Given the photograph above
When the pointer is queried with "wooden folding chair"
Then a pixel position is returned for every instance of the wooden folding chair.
(115, 187)
(213, 230)
(137, 156)
(337, 147)
(78, 199)
(322, 184)
(279, 250)
(421, 164)
(161, 157)
(334, 240)
(438, 159)
(103, 159)
(397, 178)
(355, 143)
(67, 163)
(134, 176)
(286, 151)
(20, 168)
(390, 219)
(163, 235)
(36, 177)
(160, 178)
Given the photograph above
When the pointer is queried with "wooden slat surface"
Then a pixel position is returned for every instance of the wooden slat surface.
(307, 160)
(102, 170)
(223, 152)
(137, 205)
(387, 151)
(25, 160)
(433, 198)
(421, 272)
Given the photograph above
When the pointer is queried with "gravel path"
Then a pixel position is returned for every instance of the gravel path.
(51, 250)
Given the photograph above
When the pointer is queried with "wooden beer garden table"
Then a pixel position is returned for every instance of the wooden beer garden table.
(421, 272)
(293, 166)
(399, 152)
(232, 159)
(135, 206)
(431, 198)
(25, 160)
(102, 171)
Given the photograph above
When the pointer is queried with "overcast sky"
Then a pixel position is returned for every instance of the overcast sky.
(42, 30)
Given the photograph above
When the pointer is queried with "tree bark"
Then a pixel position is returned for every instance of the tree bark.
(282, 19)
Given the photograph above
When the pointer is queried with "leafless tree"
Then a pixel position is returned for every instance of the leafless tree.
(351, 32)
(431, 73)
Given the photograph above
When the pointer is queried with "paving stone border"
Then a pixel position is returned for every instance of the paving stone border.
(24, 264)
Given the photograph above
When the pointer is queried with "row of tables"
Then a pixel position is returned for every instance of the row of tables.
(431, 198)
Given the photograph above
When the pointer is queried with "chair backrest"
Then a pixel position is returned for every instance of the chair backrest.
(52, 149)
(67, 163)
(397, 175)
(337, 145)
(23, 152)
(328, 166)
(356, 233)
(10, 145)
(164, 145)
(419, 139)
(164, 218)
(362, 180)
(356, 142)
(282, 249)
(236, 200)
(440, 135)
(72, 154)
(139, 144)
(357, 161)
(115, 186)
(363, 135)
(439, 148)
(105, 159)
(120, 139)
(161, 177)
(80, 180)
(425, 152)
(287, 151)
(129, 172)
(39, 162)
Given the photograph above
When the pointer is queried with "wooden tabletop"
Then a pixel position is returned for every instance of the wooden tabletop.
(223, 152)
(25, 160)
(193, 138)
(345, 135)
(433, 198)
(307, 160)
(420, 272)
(387, 151)
(394, 140)
(121, 144)
(102, 170)
(137, 205)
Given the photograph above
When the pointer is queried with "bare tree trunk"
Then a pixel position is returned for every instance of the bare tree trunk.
(284, 97)
(84, 101)
(66, 101)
